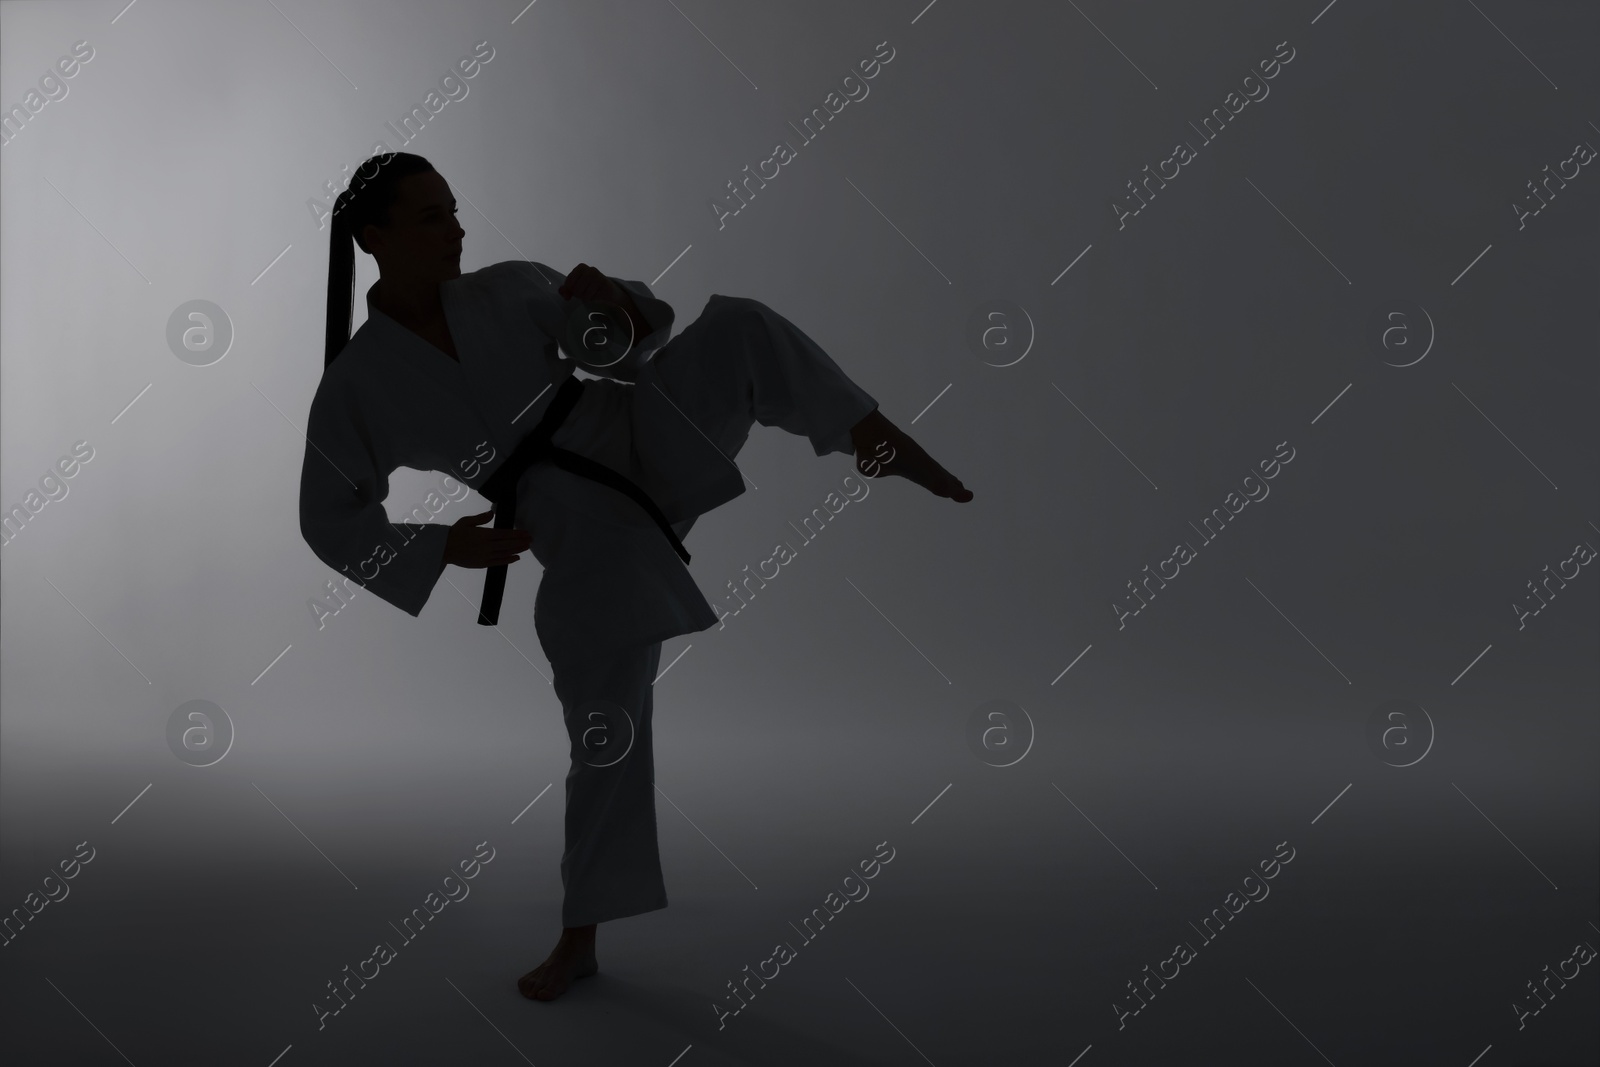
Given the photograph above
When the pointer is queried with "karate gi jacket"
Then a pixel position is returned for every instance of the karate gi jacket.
(391, 399)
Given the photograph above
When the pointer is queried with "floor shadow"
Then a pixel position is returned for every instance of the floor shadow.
(748, 1038)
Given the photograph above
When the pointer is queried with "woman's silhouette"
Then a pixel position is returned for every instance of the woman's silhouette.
(453, 372)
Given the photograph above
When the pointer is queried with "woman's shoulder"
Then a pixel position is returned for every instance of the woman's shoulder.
(516, 274)
(353, 372)
(519, 288)
(353, 358)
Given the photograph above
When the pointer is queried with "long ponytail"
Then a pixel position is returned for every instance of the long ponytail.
(367, 199)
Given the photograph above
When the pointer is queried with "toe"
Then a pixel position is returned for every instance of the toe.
(529, 984)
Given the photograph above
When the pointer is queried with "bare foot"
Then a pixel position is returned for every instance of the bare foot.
(906, 458)
(571, 959)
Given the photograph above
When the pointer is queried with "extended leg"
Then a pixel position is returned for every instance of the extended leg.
(875, 438)
(740, 362)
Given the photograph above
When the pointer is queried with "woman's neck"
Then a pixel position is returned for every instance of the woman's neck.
(409, 300)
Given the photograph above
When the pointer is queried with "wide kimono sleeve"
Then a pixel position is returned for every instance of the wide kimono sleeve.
(540, 284)
(343, 483)
(658, 315)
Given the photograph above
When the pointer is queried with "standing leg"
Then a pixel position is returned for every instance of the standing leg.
(610, 868)
(611, 864)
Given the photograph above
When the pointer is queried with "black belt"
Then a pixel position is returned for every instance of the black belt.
(501, 486)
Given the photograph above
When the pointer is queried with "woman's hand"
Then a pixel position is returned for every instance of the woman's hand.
(469, 545)
(588, 283)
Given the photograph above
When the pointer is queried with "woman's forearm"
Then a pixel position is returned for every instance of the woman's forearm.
(641, 328)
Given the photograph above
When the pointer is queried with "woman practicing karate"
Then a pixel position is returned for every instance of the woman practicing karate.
(600, 477)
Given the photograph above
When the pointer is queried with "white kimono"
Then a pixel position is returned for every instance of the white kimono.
(391, 399)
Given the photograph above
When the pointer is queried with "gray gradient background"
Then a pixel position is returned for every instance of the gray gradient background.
(830, 714)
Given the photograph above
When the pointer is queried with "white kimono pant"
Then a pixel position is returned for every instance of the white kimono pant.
(737, 364)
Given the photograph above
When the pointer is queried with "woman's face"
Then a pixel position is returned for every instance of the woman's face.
(423, 238)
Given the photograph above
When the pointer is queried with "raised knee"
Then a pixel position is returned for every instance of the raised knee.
(739, 310)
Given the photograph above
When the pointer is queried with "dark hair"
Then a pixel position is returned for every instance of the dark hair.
(367, 199)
